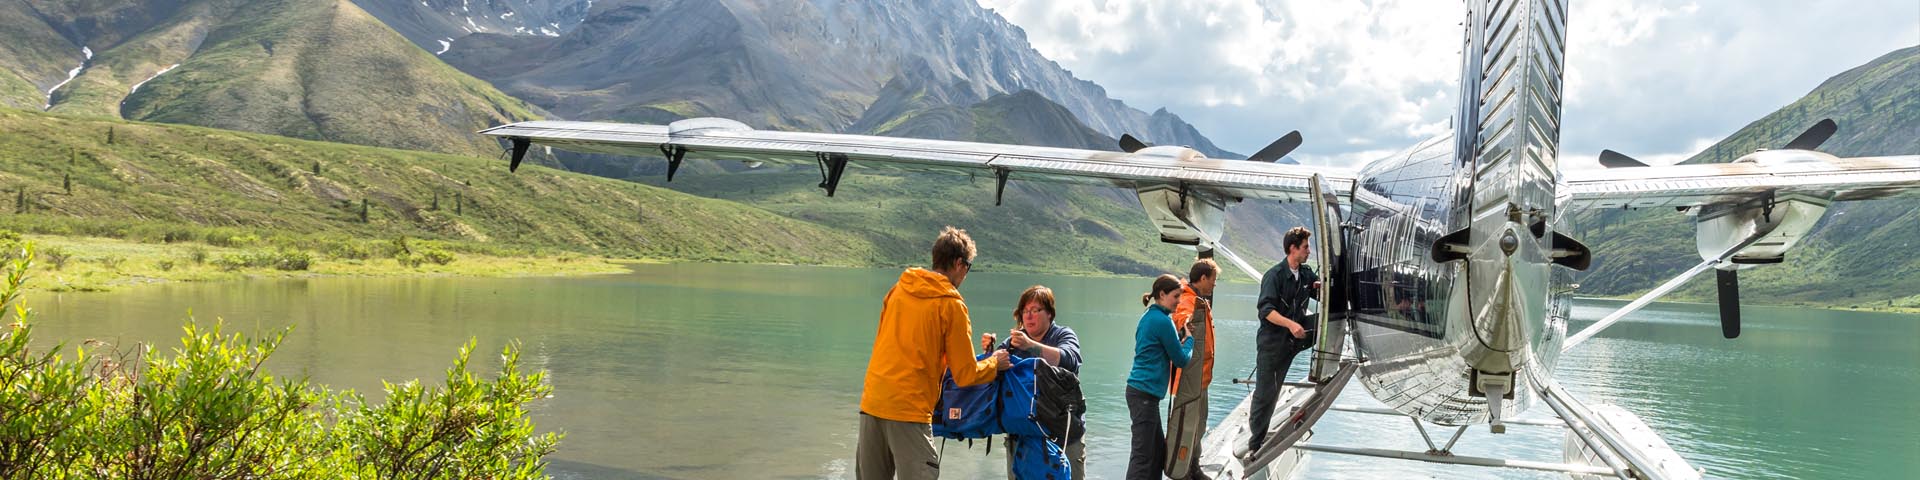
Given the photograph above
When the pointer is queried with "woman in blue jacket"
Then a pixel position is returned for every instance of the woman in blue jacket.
(1157, 345)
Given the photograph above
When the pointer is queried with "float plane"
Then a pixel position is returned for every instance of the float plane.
(1448, 284)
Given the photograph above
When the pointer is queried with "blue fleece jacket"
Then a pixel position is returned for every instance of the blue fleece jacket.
(1156, 345)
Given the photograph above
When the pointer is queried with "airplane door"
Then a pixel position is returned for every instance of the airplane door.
(1333, 332)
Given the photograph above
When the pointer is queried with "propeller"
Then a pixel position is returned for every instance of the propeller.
(1273, 153)
(1808, 140)
(1613, 159)
(1278, 149)
(1814, 136)
(1729, 283)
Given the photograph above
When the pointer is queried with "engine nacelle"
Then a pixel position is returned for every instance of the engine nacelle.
(1782, 222)
(1171, 209)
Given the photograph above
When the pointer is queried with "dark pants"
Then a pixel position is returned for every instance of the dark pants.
(1270, 370)
(1149, 457)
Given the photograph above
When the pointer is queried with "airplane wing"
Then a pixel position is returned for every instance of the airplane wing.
(722, 139)
(1790, 172)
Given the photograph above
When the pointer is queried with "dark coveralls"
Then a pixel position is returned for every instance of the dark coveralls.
(1281, 292)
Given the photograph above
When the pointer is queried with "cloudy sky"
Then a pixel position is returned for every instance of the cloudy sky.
(1656, 79)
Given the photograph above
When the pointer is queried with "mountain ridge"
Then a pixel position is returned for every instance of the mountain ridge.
(318, 69)
(1858, 255)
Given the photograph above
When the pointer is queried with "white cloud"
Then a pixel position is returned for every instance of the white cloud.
(1646, 77)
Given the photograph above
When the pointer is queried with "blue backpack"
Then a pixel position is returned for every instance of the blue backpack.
(1037, 458)
(1003, 406)
(967, 412)
(1017, 398)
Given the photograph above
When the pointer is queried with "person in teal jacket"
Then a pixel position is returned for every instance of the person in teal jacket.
(1157, 345)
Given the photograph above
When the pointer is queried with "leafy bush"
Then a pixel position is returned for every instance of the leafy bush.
(228, 238)
(208, 409)
(350, 250)
(56, 256)
(283, 259)
(9, 244)
(414, 255)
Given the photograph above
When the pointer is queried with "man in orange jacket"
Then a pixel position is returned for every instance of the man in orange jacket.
(924, 332)
(1201, 278)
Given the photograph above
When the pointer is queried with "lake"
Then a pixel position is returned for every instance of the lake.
(753, 371)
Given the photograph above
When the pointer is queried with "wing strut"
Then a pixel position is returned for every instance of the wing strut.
(1661, 291)
(1221, 249)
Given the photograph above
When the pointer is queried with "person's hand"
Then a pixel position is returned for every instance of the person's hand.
(1000, 360)
(986, 341)
(1297, 330)
(1316, 284)
(1019, 340)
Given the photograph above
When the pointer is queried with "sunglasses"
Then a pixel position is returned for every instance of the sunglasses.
(966, 263)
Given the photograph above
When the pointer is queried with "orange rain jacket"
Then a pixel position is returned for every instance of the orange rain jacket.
(1181, 313)
(924, 329)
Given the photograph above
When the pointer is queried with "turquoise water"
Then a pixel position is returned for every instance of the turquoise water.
(744, 371)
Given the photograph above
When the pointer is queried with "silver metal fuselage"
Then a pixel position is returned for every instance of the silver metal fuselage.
(1425, 326)
(1428, 327)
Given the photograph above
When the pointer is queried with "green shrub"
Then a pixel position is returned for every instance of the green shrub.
(9, 245)
(208, 409)
(56, 256)
(434, 255)
(292, 260)
(230, 238)
(165, 265)
(197, 254)
(350, 250)
(417, 254)
(283, 259)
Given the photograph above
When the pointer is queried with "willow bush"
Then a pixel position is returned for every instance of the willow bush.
(207, 409)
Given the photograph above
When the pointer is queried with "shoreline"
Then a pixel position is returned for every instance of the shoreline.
(98, 264)
(68, 263)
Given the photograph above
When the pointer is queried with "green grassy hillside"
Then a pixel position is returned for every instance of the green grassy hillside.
(163, 183)
(159, 183)
(1861, 255)
(314, 69)
(35, 57)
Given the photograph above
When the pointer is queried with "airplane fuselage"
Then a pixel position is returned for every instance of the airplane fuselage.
(1430, 328)
(1450, 245)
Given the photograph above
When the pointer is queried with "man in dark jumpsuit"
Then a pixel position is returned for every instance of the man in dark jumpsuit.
(1285, 330)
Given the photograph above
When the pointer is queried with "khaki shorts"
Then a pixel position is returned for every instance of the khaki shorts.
(891, 449)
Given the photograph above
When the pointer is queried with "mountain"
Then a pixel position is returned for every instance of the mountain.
(815, 66)
(317, 69)
(1861, 254)
(436, 24)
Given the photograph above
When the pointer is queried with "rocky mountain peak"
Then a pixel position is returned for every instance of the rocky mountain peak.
(436, 25)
